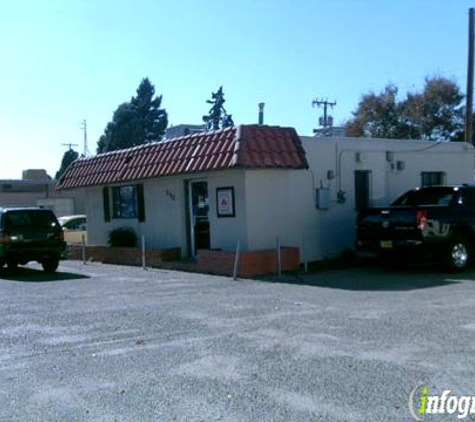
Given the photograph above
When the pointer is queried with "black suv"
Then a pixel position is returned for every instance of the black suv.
(30, 234)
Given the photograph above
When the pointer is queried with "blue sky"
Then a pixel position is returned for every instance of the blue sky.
(67, 60)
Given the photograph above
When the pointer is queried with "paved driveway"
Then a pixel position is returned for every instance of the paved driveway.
(110, 343)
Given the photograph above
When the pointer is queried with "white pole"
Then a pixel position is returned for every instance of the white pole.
(83, 249)
(277, 246)
(305, 258)
(143, 253)
(236, 262)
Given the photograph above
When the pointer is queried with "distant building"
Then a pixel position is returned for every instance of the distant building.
(183, 130)
(330, 132)
(36, 188)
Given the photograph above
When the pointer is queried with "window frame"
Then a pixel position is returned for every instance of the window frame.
(436, 178)
(122, 200)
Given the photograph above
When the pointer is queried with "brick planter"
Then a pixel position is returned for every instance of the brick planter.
(125, 256)
(251, 263)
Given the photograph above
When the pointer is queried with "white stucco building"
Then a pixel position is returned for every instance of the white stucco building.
(255, 184)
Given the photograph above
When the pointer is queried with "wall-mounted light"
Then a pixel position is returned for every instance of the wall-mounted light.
(389, 156)
(330, 174)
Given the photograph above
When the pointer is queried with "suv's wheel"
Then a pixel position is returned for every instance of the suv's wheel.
(50, 265)
(458, 253)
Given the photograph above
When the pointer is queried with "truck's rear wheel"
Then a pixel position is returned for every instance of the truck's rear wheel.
(50, 265)
(458, 253)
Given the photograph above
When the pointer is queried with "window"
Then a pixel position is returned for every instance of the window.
(362, 189)
(124, 202)
(127, 202)
(76, 224)
(28, 219)
(432, 178)
(427, 196)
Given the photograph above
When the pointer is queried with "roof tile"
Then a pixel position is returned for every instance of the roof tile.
(246, 146)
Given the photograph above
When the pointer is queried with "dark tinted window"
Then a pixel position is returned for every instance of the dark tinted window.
(124, 202)
(429, 196)
(30, 219)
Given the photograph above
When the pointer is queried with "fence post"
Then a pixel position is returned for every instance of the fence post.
(305, 258)
(143, 253)
(278, 261)
(236, 262)
(83, 249)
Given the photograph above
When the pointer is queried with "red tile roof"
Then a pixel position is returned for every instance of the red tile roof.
(246, 146)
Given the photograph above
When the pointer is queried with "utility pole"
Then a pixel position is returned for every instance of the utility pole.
(469, 105)
(326, 121)
(84, 128)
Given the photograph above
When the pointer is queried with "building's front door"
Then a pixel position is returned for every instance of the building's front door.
(199, 209)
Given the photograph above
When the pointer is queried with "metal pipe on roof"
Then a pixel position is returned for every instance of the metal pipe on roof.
(261, 113)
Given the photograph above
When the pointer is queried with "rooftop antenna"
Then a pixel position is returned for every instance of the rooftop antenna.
(84, 128)
(70, 146)
(326, 121)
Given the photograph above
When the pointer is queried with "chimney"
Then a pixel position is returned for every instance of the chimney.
(261, 113)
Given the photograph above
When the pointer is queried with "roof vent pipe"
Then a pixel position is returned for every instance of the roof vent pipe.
(261, 113)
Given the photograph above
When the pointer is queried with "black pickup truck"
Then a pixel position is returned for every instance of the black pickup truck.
(438, 220)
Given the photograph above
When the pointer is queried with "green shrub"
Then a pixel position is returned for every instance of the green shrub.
(122, 237)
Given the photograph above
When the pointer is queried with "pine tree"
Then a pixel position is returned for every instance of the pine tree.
(217, 116)
(137, 122)
(68, 157)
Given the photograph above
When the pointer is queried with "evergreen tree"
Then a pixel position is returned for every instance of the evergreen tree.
(217, 116)
(69, 156)
(137, 122)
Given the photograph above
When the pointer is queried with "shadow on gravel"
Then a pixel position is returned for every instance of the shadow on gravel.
(29, 275)
(375, 278)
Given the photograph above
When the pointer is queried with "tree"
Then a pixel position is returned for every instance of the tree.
(217, 116)
(376, 115)
(437, 112)
(137, 122)
(69, 156)
(433, 114)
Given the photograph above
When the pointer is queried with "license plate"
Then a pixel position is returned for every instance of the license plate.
(386, 244)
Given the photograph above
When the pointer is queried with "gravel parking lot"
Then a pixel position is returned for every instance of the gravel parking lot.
(110, 343)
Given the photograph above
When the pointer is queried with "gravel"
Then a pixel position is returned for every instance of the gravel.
(110, 343)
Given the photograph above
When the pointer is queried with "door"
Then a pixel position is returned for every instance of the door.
(199, 219)
(362, 189)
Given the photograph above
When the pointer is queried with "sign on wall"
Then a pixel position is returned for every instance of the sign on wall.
(225, 202)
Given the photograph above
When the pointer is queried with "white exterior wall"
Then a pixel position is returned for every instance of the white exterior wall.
(271, 203)
(226, 231)
(282, 202)
(165, 224)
